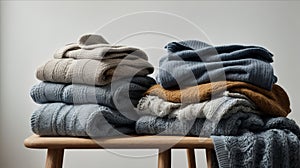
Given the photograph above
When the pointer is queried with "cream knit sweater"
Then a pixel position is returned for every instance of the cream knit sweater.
(93, 61)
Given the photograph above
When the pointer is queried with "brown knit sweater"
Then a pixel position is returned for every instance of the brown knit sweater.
(274, 103)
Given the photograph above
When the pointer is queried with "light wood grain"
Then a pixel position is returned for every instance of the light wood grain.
(130, 142)
(165, 144)
(54, 158)
(208, 158)
(191, 158)
(164, 158)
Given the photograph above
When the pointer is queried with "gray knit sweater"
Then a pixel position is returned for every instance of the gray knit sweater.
(248, 140)
(88, 120)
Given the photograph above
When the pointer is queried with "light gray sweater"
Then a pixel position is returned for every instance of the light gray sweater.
(228, 103)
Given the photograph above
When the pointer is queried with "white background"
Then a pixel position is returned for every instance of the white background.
(32, 31)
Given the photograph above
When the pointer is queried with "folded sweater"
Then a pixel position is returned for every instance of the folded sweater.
(274, 102)
(229, 103)
(92, 72)
(59, 119)
(193, 62)
(121, 93)
(94, 46)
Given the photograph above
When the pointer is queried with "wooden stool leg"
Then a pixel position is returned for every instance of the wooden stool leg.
(55, 158)
(191, 158)
(164, 159)
(208, 158)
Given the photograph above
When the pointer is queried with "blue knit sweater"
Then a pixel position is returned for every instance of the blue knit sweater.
(194, 62)
(117, 95)
(87, 120)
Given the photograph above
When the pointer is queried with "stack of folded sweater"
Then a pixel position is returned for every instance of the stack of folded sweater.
(227, 93)
(90, 88)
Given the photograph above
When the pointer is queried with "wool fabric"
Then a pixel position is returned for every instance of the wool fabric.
(193, 62)
(230, 125)
(240, 140)
(92, 72)
(121, 92)
(228, 104)
(94, 46)
(205, 52)
(59, 119)
(270, 148)
(274, 102)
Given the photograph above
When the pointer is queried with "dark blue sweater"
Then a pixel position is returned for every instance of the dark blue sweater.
(193, 62)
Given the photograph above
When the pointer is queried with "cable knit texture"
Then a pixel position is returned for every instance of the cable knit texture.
(274, 103)
(121, 92)
(193, 62)
(229, 103)
(270, 148)
(240, 139)
(59, 119)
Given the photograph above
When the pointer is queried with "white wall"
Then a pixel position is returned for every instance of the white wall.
(31, 31)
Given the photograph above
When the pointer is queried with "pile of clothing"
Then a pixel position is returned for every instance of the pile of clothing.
(228, 93)
(90, 89)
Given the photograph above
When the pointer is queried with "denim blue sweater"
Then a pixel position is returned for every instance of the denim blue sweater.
(117, 95)
(193, 62)
(87, 120)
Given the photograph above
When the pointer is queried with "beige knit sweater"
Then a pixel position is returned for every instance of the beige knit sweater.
(95, 62)
(92, 72)
(93, 46)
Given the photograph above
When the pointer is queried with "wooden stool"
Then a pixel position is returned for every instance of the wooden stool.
(56, 146)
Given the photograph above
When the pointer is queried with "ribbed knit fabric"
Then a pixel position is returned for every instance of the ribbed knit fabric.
(59, 119)
(93, 46)
(229, 103)
(274, 103)
(93, 61)
(92, 72)
(193, 62)
(121, 92)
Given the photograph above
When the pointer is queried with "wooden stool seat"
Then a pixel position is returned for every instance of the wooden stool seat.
(56, 146)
